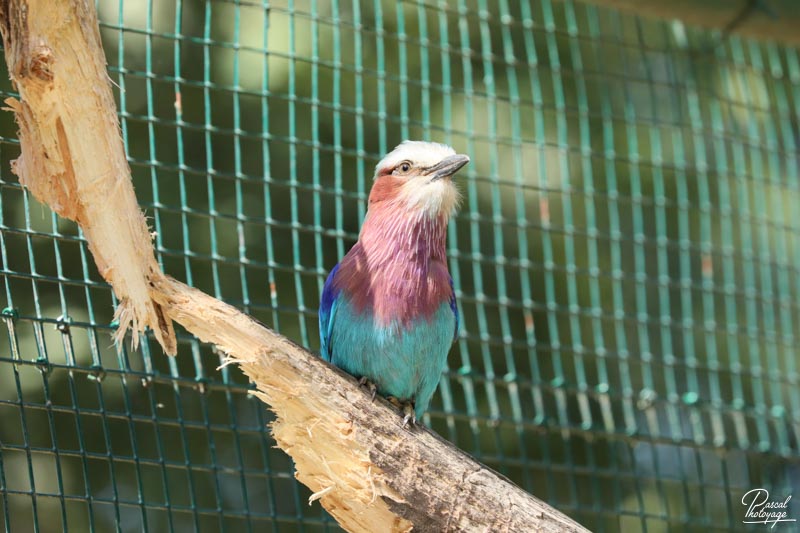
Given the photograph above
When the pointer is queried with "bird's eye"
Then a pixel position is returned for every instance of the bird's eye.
(405, 167)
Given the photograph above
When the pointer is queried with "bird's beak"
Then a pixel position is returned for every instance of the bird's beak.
(447, 166)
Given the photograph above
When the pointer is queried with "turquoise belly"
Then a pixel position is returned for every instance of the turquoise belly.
(403, 362)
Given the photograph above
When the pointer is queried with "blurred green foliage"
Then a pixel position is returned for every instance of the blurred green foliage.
(626, 258)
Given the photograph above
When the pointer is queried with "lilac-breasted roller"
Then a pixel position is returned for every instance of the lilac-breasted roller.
(388, 312)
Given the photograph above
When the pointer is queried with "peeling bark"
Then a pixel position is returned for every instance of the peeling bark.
(366, 470)
(56, 61)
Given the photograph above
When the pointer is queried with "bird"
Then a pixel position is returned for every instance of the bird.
(388, 313)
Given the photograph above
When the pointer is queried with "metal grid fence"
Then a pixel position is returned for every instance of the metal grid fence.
(626, 258)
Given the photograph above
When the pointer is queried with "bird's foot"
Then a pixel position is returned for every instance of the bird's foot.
(370, 386)
(409, 414)
(407, 408)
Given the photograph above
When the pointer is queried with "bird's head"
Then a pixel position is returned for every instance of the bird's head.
(415, 176)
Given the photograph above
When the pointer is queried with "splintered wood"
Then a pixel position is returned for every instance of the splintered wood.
(72, 154)
(365, 469)
(368, 472)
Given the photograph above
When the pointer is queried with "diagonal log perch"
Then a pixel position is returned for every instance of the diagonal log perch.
(367, 471)
(373, 475)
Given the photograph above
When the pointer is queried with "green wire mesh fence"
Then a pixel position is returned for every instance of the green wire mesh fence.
(626, 258)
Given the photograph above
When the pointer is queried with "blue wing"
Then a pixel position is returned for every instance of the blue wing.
(327, 313)
(454, 307)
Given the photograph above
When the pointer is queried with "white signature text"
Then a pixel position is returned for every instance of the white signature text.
(760, 510)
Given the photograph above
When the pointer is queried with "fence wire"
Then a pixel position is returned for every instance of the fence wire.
(626, 258)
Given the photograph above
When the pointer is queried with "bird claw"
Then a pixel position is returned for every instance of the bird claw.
(407, 408)
(371, 387)
(409, 414)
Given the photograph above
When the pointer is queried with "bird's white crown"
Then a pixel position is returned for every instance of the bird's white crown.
(421, 153)
(419, 192)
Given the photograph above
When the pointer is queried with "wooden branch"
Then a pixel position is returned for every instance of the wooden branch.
(370, 473)
(73, 158)
(367, 471)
